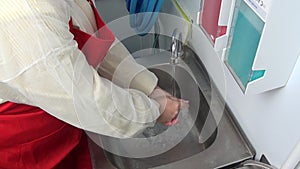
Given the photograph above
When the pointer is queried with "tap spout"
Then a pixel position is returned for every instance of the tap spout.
(176, 46)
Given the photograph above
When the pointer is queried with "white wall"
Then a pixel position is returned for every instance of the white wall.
(271, 120)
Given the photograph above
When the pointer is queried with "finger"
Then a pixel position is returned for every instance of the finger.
(163, 91)
(173, 98)
(176, 113)
(178, 99)
(167, 93)
(159, 94)
(182, 103)
(168, 124)
(173, 122)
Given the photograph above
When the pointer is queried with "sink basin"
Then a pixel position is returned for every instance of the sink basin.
(186, 138)
(207, 135)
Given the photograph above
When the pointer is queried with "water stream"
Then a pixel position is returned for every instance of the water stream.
(173, 82)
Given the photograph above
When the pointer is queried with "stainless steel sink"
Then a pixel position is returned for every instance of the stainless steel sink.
(206, 143)
(192, 121)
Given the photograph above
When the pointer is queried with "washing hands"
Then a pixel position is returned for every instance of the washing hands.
(169, 107)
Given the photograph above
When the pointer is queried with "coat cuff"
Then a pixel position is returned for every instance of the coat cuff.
(144, 81)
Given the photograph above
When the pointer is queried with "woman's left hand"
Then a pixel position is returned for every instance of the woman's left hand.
(169, 106)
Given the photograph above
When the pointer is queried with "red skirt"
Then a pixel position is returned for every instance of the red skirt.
(32, 139)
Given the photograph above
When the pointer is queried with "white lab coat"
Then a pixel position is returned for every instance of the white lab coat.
(41, 65)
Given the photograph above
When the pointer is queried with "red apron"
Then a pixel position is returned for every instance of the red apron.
(32, 139)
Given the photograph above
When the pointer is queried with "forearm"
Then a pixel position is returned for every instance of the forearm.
(120, 67)
(84, 99)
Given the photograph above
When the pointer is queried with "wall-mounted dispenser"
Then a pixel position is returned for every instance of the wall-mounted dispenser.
(213, 18)
(261, 42)
(262, 48)
(243, 43)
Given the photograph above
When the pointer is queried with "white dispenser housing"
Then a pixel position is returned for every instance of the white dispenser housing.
(260, 61)
(263, 45)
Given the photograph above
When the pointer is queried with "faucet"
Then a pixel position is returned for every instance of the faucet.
(176, 47)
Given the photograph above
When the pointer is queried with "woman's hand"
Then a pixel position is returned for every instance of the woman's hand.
(169, 106)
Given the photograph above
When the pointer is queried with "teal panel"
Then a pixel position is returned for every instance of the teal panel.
(256, 74)
(245, 35)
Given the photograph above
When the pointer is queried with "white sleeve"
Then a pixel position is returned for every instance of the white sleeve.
(41, 65)
(120, 67)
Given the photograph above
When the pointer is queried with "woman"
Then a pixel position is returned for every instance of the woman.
(50, 87)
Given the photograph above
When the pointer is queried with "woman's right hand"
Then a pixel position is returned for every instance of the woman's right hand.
(169, 106)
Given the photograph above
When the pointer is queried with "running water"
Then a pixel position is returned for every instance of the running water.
(173, 82)
(172, 89)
